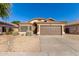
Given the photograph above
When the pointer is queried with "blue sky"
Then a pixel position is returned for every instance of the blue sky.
(59, 11)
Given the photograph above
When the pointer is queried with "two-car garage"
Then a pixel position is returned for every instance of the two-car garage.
(50, 30)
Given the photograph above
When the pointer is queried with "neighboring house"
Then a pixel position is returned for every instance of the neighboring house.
(72, 28)
(42, 26)
(6, 27)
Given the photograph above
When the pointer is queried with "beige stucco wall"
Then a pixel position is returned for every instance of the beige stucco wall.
(24, 24)
(15, 29)
(27, 31)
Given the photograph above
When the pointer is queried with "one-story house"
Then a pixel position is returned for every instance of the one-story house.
(42, 26)
(7, 27)
(72, 28)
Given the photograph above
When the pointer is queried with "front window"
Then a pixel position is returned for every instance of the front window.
(30, 28)
(23, 28)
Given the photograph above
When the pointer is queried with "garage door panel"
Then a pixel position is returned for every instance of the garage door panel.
(50, 30)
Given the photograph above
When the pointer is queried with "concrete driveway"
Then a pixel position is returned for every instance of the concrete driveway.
(66, 45)
(60, 45)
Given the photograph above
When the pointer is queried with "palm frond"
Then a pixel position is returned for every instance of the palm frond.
(4, 10)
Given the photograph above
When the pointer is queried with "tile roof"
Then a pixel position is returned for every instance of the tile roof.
(28, 23)
(50, 19)
(72, 23)
(11, 24)
(50, 23)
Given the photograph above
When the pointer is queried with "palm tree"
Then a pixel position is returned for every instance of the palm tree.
(4, 10)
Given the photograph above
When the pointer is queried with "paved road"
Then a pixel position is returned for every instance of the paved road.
(66, 45)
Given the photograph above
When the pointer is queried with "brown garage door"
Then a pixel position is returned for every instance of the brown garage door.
(50, 30)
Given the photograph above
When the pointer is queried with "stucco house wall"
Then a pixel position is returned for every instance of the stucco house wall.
(28, 29)
(58, 26)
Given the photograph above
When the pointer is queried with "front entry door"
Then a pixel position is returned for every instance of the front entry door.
(3, 29)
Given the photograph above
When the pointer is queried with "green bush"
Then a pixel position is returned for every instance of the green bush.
(15, 33)
(8, 33)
